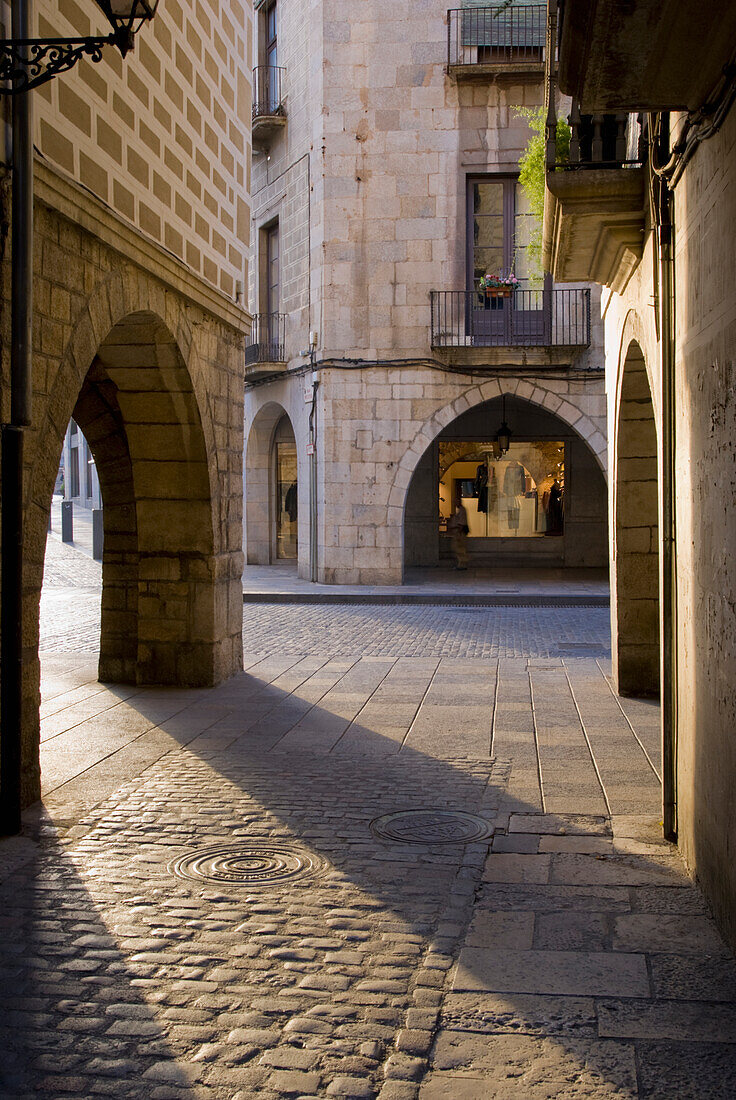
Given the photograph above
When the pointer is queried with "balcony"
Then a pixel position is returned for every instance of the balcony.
(484, 43)
(268, 113)
(265, 354)
(528, 328)
(594, 206)
(652, 55)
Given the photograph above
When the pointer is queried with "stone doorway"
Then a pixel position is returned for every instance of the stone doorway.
(271, 489)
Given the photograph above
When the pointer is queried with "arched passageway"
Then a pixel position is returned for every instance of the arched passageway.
(271, 488)
(541, 504)
(138, 412)
(635, 580)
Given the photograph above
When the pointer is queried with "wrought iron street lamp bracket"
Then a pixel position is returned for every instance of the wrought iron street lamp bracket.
(26, 63)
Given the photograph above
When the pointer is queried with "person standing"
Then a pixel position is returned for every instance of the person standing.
(457, 526)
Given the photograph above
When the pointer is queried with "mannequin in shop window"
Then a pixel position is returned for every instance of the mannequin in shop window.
(514, 480)
(554, 509)
(290, 502)
(481, 487)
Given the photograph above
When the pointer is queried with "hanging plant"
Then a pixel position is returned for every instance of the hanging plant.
(532, 171)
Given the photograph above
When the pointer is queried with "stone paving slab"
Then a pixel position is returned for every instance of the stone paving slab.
(566, 955)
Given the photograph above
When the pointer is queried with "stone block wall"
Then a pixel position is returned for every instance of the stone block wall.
(283, 182)
(373, 429)
(150, 364)
(705, 484)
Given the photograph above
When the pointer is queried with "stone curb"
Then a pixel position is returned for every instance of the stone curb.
(440, 599)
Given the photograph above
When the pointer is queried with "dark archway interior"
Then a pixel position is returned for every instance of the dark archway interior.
(635, 600)
(584, 542)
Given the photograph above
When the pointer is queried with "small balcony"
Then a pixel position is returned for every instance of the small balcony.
(594, 206)
(523, 327)
(265, 353)
(484, 43)
(269, 113)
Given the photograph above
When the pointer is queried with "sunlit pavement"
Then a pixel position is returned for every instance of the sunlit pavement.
(215, 899)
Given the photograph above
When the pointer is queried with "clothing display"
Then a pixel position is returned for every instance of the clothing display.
(517, 495)
(481, 487)
(514, 480)
(290, 502)
(555, 515)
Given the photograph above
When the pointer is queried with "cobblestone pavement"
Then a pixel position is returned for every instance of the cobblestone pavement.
(398, 631)
(70, 622)
(209, 904)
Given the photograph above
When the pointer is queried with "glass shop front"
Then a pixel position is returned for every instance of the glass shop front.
(520, 494)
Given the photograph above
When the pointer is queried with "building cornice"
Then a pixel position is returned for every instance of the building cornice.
(61, 193)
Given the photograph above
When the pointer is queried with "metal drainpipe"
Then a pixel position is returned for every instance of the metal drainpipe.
(313, 480)
(11, 528)
(665, 229)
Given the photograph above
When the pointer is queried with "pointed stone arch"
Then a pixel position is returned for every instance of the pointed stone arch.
(551, 398)
(553, 419)
(635, 619)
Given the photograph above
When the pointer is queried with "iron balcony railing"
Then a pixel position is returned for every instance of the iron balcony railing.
(526, 318)
(267, 91)
(485, 36)
(267, 339)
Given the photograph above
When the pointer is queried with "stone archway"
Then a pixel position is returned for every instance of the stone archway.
(585, 538)
(259, 484)
(139, 391)
(635, 574)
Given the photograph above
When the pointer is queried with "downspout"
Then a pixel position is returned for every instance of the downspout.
(313, 478)
(663, 208)
(11, 530)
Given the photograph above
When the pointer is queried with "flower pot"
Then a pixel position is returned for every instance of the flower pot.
(498, 292)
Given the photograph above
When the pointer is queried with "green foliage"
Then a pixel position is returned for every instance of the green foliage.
(532, 170)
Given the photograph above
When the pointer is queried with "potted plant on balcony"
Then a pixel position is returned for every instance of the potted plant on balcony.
(497, 286)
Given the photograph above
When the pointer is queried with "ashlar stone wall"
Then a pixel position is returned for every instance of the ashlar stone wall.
(149, 361)
(374, 427)
(705, 491)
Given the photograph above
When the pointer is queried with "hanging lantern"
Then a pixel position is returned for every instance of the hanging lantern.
(126, 17)
(503, 435)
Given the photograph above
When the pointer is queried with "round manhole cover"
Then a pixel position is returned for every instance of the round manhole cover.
(431, 827)
(245, 864)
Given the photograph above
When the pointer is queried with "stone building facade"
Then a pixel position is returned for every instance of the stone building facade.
(657, 232)
(141, 232)
(373, 167)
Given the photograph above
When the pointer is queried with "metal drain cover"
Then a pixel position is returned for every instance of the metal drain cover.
(252, 865)
(431, 827)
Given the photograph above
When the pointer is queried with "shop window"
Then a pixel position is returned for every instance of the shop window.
(286, 491)
(516, 495)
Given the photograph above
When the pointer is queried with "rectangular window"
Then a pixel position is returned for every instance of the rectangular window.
(271, 40)
(516, 495)
(88, 466)
(500, 224)
(272, 269)
(74, 472)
